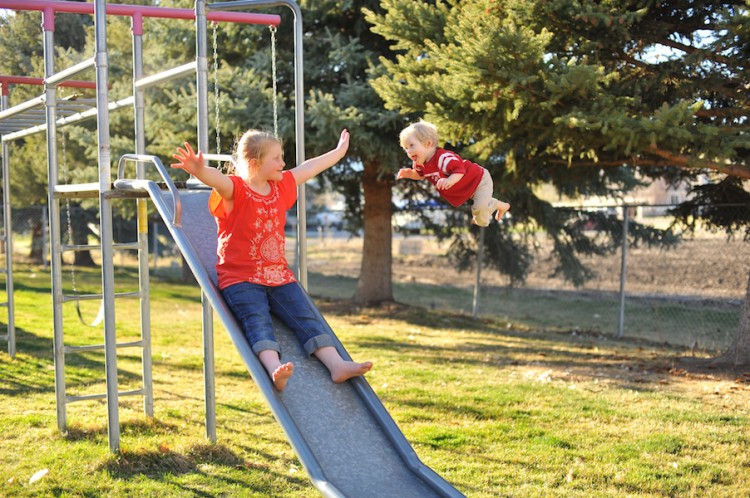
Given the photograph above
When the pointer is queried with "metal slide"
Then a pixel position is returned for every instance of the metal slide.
(343, 435)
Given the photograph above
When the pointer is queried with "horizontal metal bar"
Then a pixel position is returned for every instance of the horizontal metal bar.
(72, 188)
(73, 399)
(67, 298)
(219, 157)
(69, 73)
(97, 247)
(28, 80)
(81, 247)
(170, 74)
(73, 118)
(99, 347)
(23, 106)
(112, 106)
(141, 10)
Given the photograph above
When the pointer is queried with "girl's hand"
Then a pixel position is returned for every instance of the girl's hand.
(343, 145)
(188, 160)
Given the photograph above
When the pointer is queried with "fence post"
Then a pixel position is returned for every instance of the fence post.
(623, 270)
(480, 251)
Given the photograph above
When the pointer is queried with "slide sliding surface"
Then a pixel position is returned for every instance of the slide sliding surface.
(342, 434)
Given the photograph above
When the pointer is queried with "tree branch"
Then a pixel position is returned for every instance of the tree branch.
(664, 159)
(687, 162)
(689, 49)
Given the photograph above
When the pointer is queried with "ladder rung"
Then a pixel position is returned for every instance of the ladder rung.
(97, 347)
(88, 297)
(127, 245)
(4, 337)
(81, 247)
(72, 399)
(97, 247)
(4, 304)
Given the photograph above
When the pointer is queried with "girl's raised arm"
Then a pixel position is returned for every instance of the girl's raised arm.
(194, 164)
(312, 167)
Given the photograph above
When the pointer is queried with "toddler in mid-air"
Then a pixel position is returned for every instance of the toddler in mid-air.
(456, 179)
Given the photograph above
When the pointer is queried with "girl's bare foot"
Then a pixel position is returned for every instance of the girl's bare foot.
(348, 369)
(281, 375)
(502, 208)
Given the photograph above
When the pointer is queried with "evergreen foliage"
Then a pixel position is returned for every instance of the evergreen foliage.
(593, 97)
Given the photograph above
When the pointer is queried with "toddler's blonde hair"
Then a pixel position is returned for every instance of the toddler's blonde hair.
(422, 130)
(253, 144)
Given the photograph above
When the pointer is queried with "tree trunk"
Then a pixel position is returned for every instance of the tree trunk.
(37, 253)
(80, 233)
(375, 285)
(738, 353)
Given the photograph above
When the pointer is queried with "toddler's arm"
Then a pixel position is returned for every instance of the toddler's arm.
(194, 164)
(312, 167)
(409, 173)
(446, 183)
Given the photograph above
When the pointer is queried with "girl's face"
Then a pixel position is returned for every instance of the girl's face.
(417, 151)
(271, 164)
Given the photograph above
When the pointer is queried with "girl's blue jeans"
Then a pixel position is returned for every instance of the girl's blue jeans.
(253, 305)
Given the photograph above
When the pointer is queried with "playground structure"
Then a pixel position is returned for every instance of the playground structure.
(358, 450)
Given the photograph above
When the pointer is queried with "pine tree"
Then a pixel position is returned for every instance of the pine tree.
(592, 97)
(340, 54)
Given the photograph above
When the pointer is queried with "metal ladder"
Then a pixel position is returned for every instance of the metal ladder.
(6, 234)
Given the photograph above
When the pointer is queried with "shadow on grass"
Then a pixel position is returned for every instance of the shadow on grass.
(164, 460)
(164, 463)
(147, 427)
(35, 362)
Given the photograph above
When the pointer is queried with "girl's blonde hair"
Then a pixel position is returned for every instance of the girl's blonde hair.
(422, 130)
(253, 144)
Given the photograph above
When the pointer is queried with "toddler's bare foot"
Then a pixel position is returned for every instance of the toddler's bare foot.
(281, 375)
(348, 369)
(502, 208)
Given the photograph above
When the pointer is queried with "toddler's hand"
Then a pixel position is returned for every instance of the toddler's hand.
(444, 184)
(406, 173)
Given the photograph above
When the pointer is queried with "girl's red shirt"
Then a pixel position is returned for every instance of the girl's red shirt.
(251, 244)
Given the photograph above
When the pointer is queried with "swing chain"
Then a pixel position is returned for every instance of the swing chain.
(67, 210)
(217, 126)
(273, 79)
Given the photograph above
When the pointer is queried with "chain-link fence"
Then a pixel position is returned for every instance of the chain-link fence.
(687, 294)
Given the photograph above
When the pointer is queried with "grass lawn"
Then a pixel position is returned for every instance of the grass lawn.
(496, 407)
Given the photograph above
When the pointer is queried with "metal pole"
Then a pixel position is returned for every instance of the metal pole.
(105, 224)
(48, 24)
(8, 241)
(299, 115)
(623, 271)
(480, 253)
(143, 274)
(201, 41)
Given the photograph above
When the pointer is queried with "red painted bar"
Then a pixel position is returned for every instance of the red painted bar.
(142, 10)
(27, 80)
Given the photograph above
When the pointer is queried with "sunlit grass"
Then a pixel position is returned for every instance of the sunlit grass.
(495, 406)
